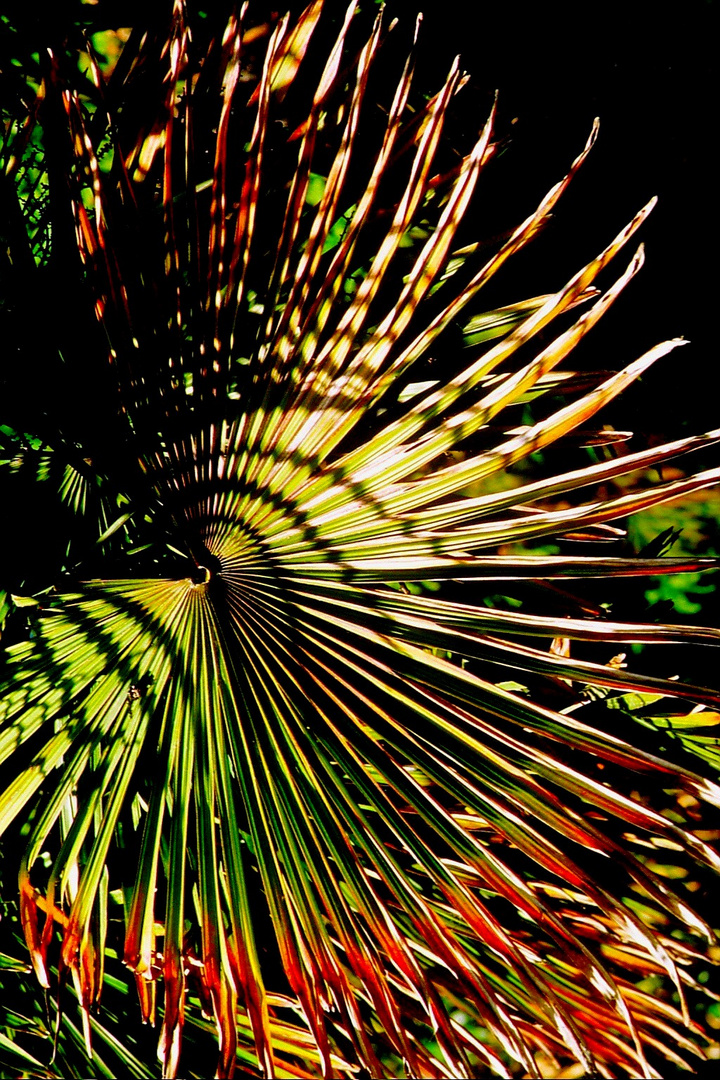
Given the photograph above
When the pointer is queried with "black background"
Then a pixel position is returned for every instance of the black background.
(648, 71)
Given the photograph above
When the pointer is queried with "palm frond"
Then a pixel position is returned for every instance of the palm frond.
(310, 781)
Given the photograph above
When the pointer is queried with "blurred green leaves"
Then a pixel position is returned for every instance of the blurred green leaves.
(689, 525)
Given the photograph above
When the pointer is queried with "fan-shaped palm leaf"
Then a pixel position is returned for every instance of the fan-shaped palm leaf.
(246, 696)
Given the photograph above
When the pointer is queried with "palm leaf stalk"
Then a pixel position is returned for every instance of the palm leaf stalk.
(246, 689)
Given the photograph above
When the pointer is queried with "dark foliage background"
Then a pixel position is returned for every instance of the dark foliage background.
(648, 71)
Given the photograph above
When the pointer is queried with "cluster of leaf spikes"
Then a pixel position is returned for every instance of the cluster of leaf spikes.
(328, 821)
